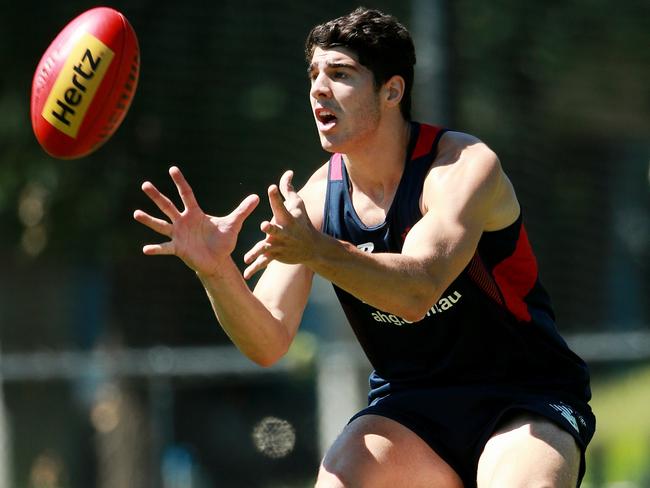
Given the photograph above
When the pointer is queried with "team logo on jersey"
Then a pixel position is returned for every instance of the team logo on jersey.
(366, 247)
(568, 414)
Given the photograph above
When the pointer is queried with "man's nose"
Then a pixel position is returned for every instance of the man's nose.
(320, 87)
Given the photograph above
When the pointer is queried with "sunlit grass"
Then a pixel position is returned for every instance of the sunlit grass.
(620, 450)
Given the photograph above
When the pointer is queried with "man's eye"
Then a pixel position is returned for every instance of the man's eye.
(339, 75)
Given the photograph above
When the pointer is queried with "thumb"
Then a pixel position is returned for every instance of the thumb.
(244, 209)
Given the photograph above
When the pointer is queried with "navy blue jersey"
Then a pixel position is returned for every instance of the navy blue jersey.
(494, 324)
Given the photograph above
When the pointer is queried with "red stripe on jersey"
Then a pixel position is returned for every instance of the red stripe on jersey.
(426, 137)
(336, 168)
(516, 277)
(482, 277)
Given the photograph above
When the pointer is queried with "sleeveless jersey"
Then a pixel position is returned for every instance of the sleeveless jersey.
(494, 324)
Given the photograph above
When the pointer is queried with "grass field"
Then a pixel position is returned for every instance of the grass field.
(619, 455)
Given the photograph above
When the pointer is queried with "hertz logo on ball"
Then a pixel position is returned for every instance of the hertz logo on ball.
(84, 83)
(75, 87)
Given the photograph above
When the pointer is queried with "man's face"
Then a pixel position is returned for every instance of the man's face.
(343, 99)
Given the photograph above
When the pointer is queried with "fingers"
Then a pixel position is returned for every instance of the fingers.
(263, 246)
(259, 256)
(256, 251)
(286, 184)
(161, 201)
(158, 225)
(163, 249)
(260, 263)
(280, 212)
(269, 228)
(164, 203)
(278, 194)
(183, 187)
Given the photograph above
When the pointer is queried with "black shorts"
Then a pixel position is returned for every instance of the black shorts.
(457, 422)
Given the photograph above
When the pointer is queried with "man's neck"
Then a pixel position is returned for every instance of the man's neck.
(377, 166)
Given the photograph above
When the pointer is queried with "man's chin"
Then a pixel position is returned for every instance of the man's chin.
(328, 144)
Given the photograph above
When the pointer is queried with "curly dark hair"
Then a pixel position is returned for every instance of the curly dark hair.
(381, 43)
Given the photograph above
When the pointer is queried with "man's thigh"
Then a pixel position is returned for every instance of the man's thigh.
(374, 451)
(529, 450)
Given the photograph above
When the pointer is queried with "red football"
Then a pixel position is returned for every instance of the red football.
(84, 83)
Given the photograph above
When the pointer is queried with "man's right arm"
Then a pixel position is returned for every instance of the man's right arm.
(261, 324)
(282, 291)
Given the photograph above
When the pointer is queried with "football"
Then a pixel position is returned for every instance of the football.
(84, 83)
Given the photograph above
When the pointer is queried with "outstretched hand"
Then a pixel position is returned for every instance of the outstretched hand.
(290, 235)
(202, 241)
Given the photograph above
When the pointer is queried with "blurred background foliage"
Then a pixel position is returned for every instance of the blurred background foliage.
(559, 89)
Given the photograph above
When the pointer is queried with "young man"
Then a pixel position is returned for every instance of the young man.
(421, 234)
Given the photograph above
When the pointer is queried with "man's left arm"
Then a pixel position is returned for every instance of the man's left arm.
(465, 195)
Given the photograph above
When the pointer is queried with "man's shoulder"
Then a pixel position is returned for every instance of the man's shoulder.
(459, 141)
(455, 150)
(467, 169)
(465, 164)
(460, 153)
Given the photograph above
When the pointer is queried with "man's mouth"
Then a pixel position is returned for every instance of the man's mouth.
(325, 118)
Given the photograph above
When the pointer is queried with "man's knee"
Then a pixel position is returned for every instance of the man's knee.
(329, 478)
(346, 465)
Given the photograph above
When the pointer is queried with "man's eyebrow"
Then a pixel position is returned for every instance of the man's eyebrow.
(331, 64)
(340, 64)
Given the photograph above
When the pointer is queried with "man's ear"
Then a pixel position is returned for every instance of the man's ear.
(394, 89)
